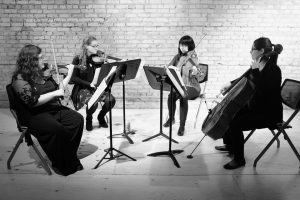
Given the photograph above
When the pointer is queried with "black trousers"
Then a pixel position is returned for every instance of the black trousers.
(245, 120)
(105, 107)
(59, 133)
(192, 94)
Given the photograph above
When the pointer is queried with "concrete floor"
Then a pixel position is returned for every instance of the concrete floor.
(276, 176)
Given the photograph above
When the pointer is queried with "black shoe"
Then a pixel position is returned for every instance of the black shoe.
(233, 164)
(167, 124)
(89, 125)
(180, 131)
(102, 122)
(79, 167)
(223, 148)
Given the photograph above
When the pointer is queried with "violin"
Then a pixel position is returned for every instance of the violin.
(51, 71)
(100, 57)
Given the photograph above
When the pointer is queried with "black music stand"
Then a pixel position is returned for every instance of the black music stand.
(128, 71)
(157, 77)
(109, 82)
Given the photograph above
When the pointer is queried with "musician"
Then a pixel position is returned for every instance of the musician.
(83, 77)
(190, 76)
(57, 128)
(265, 107)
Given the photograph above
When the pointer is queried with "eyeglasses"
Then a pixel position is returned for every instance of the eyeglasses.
(253, 48)
(95, 46)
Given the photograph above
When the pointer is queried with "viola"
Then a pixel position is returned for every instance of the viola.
(200, 68)
(51, 71)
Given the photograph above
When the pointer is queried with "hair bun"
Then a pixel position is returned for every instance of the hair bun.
(278, 48)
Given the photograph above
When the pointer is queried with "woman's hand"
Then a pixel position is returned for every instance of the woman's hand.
(194, 70)
(59, 93)
(255, 64)
(225, 87)
(92, 85)
(70, 68)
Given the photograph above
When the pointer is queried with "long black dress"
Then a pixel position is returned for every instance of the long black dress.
(263, 110)
(57, 128)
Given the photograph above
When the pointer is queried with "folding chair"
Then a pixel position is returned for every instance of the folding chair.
(272, 131)
(290, 93)
(204, 78)
(21, 115)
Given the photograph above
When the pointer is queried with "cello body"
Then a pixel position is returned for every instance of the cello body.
(218, 120)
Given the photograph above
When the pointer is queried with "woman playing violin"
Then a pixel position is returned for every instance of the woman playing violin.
(190, 76)
(265, 107)
(83, 77)
(57, 128)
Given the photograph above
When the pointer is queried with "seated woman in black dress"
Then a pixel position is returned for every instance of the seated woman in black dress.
(265, 107)
(57, 128)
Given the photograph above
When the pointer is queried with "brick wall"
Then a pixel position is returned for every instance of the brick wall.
(150, 29)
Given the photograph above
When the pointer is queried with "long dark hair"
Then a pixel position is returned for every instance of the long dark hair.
(28, 63)
(188, 41)
(271, 51)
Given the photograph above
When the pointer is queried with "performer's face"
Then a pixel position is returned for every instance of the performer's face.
(183, 48)
(93, 47)
(41, 61)
(255, 53)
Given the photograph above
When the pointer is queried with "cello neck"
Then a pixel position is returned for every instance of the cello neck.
(236, 81)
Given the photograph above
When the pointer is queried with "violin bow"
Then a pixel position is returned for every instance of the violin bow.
(55, 63)
(204, 35)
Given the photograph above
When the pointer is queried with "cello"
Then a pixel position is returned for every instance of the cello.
(239, 95)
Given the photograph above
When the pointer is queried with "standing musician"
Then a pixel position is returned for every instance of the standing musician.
(57, 128)
(265, 107)
(83, 77)
(190, 76)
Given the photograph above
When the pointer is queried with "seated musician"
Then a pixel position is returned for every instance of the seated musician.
(57, 128)
(265, 107)
(190, 75)
(83, 77)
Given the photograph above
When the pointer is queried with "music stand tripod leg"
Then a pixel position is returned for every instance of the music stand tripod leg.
(161, 80)
(111, 148)
(170, 152)
(125, 133)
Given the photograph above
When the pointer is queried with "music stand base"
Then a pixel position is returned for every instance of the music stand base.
(112, 156)
(125, 135)
(162, 134)
(168, 153)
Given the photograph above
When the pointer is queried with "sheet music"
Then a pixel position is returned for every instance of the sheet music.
(100, 89)
(177, 81)
(140, 67)
(96, 75)
(112, 70)
(178, 74)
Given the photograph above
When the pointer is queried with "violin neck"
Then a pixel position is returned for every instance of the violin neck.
(113, 58)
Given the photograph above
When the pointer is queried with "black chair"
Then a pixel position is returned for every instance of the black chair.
(22, 115)
(272, 131)
(290, 93)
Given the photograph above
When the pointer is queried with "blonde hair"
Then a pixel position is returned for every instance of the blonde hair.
(83, 54)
